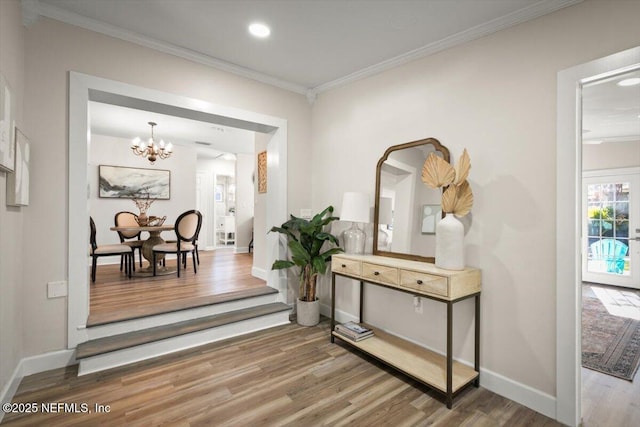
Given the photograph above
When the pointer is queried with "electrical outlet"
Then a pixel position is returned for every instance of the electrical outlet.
(417, 304)
(57, 289)
(305, 213)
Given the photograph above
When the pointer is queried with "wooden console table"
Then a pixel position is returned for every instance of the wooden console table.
(438, 372)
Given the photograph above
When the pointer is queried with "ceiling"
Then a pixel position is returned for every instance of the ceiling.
(315, 45)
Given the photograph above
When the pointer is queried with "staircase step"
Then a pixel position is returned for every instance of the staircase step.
(131, 339)
(175, 306)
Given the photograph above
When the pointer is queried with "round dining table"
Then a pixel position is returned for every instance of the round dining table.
(147, 247)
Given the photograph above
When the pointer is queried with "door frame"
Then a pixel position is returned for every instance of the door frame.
(84, 88)
(568, 225)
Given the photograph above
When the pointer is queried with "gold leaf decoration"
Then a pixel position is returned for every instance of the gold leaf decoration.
(462, 168)
(463, 201)
(436, 172)
(449, 199)
(457, 198)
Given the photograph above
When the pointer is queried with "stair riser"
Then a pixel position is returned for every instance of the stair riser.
(147, 351)
(118, 328)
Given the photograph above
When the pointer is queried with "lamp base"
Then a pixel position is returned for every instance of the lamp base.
(354, 240)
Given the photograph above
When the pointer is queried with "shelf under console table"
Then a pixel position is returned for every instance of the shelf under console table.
(426, 280)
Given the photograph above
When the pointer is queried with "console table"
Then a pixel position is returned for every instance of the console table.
(426, 280)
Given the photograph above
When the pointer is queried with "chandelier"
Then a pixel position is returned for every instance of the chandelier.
(150, 149)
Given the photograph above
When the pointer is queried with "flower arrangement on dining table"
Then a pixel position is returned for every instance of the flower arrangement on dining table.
(143, 204)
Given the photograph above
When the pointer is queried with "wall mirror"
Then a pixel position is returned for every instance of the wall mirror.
(406, 210)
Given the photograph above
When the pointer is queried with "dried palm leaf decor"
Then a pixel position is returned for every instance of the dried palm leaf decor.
(436, 173)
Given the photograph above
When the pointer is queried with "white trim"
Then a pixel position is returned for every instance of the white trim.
(260, 273)
(34, 365)
(608, 172)
(534, 11)
(80, 86)
(568, 226)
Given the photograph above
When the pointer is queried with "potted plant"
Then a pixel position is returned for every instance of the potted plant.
(306, 239)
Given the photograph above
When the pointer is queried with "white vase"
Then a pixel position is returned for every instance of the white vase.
(449, 243)
(308, 313)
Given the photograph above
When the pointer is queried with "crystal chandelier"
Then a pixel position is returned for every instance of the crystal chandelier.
(150, 149)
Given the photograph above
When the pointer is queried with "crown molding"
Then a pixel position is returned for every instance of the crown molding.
(71, 18)
(493, 26)
(34, 8)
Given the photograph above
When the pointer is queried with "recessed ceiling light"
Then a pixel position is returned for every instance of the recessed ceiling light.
(629, 82)
(259, 30)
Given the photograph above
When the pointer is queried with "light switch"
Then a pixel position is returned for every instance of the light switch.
(57, 289)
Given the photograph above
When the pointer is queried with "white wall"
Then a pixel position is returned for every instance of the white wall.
(244, 200)
(112, 151)
(495, 96)
(611, 155)
(12, 219)
(260, 215)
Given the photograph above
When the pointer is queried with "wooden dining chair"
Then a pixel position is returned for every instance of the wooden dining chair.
(108, 250)
(186, 227)
(129, 238)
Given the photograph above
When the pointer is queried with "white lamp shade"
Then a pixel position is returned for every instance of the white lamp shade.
(385, 211)
(355, 207)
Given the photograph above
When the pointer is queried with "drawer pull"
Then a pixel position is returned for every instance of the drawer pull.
(376, 273)
(344, 265)
(419, 282)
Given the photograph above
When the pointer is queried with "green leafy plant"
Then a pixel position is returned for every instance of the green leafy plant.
(306, 239)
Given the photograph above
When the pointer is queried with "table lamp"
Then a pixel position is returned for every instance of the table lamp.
(355, 208)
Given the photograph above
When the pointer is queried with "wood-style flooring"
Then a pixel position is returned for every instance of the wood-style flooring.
(608, 401)
(221, 274)
(285, 376)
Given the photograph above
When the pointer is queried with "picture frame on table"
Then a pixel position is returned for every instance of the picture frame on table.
(121, 182)
(18, 180)
(7, 127)
(431, 215)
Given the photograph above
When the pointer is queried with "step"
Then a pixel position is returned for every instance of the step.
(110, 352)
(223, 303)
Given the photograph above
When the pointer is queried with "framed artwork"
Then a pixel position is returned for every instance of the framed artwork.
(121, 182)
(18, 180)
(218, 192)
(431, 215)
(7, 127)
(262, 172)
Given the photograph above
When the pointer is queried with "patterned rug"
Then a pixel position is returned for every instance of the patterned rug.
(610, 344)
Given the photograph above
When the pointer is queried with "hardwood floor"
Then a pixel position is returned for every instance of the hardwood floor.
(221, 272)
(285, 376)
(607, 400)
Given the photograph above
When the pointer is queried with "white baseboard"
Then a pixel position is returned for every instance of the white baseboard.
(241, 250)
(260, 273)
(34, 365)
(496, 383)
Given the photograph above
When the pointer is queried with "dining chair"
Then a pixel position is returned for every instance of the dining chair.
(108, 250)
(186, 227)
(129, 238)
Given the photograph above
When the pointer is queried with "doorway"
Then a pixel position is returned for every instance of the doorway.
(83, 89)
(569, 229)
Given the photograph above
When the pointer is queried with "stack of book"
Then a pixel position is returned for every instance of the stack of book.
(353, 331)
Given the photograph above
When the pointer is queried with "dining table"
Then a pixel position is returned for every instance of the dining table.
(147, 247)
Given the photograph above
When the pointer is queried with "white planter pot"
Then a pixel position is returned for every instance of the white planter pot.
(308, 313)
(450, 243)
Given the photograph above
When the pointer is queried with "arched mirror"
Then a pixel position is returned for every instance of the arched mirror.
(406, 210)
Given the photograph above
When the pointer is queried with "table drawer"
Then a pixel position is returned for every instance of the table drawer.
(424, 282)
(346, 266)
(380, 273)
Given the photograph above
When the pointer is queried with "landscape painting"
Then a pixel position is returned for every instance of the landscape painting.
(127, 183)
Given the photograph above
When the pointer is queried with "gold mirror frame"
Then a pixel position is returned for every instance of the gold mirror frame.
(445, 155)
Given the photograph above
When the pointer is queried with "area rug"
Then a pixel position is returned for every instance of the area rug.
(610, 344)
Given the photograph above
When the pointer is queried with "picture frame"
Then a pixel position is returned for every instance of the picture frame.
(431, 215)
(7, 127)
(262, 172)
(121, 182)
(18, 180)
